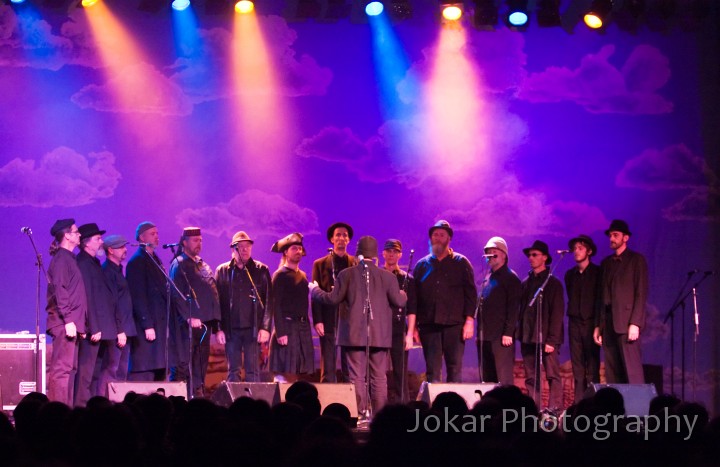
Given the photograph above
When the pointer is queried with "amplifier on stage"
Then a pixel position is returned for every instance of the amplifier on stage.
(18, 372)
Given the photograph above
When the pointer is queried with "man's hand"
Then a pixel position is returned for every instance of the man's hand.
(150, 334)
(220, 338)
(468, 328)
(312, 285)
(70, 330)
(320, 329)
(121, 340)
(283, 340)
(633, 333)
(597, 337)
(96, 337)
(549, 348)
(408, 341)
(263, 336)
(403, 293)
(195, 323)
(507, 341)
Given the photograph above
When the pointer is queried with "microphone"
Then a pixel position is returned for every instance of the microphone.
(361, 258)
(170, 245)
(140, 244)
(694, 271)
(709, 273)
(26, 230)
(489, 256)
(562, 252)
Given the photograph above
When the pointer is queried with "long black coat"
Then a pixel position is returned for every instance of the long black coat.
(626, 291)
(102, 316)
(352, 290)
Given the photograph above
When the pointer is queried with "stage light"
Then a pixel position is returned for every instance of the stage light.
(451, 10)
(517, 16)
(17, 1)
(374, 8)
(598, 14)
(180, 5)
(244, 6)
(89, 3)
(548, 13)
(486, 14)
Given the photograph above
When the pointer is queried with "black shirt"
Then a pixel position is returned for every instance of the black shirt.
(583, 292)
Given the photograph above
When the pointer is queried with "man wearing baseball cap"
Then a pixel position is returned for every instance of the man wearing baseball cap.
(582, 284)
(446, 297)
(624, 295)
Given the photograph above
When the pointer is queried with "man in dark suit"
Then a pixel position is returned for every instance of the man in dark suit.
(365, 321)
(325, 271)
(624, 292)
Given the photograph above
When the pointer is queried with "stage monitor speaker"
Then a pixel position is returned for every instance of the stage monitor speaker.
(471, 392)
(118, 390)
(637, 397)
(227, 392)
(328, 393)
(17, 368)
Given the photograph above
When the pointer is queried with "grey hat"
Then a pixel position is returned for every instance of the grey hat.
(142, 227)
(393, 244)
(114, 241)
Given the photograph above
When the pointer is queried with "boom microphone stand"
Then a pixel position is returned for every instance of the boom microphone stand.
(670, 315)
(40, 272)
(367, 309)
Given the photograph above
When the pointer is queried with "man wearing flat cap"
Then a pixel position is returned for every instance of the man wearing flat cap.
(545, 339)
(498, 309)
(366, 322)
(325, 271)
(244, 287)
(582, 284)
(291, 349)
(624, 295)
(115, 253)
(148, 290)
(197, 317)
(402, 331)
(446, 296)
(67, 310)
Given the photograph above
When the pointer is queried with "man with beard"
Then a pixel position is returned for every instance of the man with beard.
(244, 289)
(624, 294)
(291, 351)
(497, 316)
(582, 284)
(148, 290)
(325, 271)
(196, 318)
(446, 296)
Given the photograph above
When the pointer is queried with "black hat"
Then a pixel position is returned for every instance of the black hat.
(240, 236)
(367, 246)
(441, 224)
(88, 230)
(585, 240)
(60, 225)
(541, 247)
(618, 225)
(285, 243)
(331, 230)
(393, 244)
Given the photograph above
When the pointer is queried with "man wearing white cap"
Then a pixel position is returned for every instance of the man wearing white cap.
(497, 315)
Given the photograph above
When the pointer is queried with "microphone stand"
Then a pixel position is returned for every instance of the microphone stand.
(367, 309)
(40, 272)
(481, 327)
(670, 315)
(538, 297)
(192, 297)
(405, 352)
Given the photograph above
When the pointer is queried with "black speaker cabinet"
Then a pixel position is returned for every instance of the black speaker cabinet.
(637, 397)
(471, 392)
(18, 369)
(118, 390)
(328, 393)
(227, 392)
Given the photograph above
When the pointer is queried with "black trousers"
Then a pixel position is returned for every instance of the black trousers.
(623, 360)
(398, 391)
(551, 364)
(199, 355)
(584, 355)
(495, 362)
(328, 360)
(438, 342)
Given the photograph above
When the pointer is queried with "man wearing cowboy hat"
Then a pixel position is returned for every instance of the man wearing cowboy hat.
(245, 318)
(582, 284)
(291, 347)
(549, 335)
(624, 295)
(446, 296)
(498, 315)
(325, 271)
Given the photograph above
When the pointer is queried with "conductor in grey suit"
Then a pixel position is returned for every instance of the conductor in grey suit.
(364, 319)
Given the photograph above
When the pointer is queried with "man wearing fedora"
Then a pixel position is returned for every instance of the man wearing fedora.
(103, 318)
(498, 315)
(624, 295)
(198, 316)
(446, 297)
(67, 310)
(115, 253)
(544, 338)
(291, 349)
(582, 284)
(366, 322)
(325, 271)
(244, 290)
